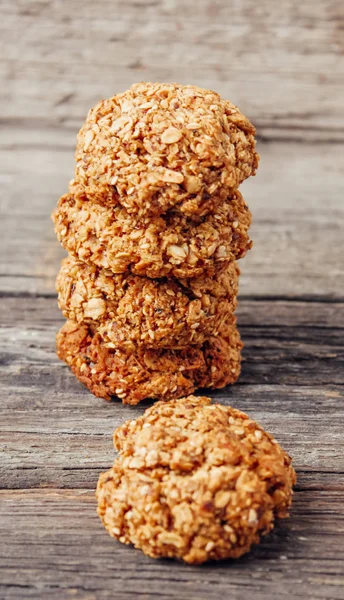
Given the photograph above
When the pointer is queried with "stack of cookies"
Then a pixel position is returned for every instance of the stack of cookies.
(154, 223)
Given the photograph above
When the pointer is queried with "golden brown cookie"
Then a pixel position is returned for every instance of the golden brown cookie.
(131, 311)
(194, 481)
(158, 374)
(169, 245)
(158, 146)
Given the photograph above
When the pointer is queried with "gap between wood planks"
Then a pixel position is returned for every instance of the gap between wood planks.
(305, 298)
(268, 133)
(64, 133)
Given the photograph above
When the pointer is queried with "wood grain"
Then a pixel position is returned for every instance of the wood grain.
(292, 382)
(279, 61)
(282, 62)
(298, 559)
(296, 200)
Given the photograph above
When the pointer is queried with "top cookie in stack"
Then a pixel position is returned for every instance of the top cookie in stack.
(154, 223)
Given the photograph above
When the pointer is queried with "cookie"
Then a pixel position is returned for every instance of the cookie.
(131, 311)
(194, 481)
(158, 374)
(161, 146)
(170, 245)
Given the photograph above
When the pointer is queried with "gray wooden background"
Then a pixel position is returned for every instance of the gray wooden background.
(283, 64)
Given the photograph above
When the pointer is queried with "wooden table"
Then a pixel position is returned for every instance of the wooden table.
(283, 63)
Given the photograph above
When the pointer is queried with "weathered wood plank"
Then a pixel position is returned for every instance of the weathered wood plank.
(40, 312)
(292, 382)
(279, 61)
(293, 354)
(56, 547)
(71, 455)
(283, 64)
(296, 200)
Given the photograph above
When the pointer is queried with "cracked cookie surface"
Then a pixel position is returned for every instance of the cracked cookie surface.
(169, 245)
(131, 311)
(158, 374)
(194, 481)
(158, 146)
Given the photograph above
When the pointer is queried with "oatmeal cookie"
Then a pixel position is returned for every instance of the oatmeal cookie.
(194, 481)
(129, 311)
(169, 245)
(158, 374)
(158, 146)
